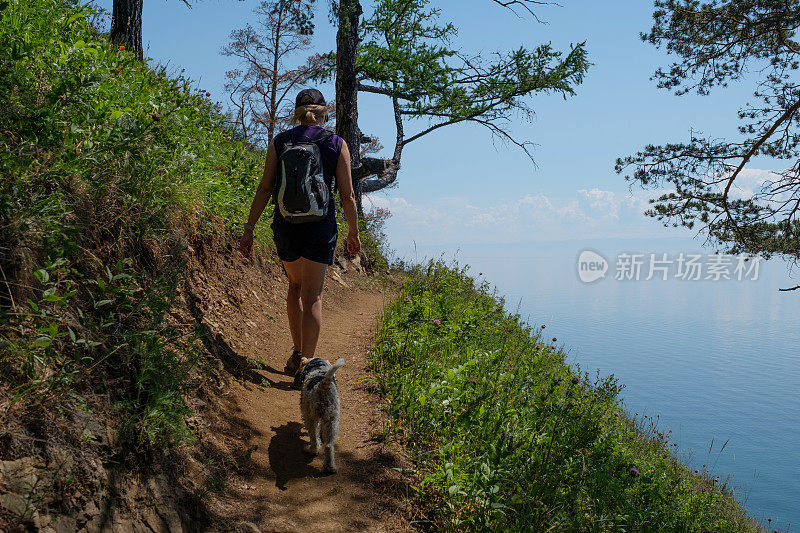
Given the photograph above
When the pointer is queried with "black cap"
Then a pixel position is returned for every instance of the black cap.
(309, 97)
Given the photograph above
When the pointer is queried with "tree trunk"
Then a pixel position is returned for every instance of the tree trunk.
(346, 86)
(126, 25)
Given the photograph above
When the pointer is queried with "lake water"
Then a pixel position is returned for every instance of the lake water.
(716, 360)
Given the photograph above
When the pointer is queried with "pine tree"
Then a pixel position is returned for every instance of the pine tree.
(403, 51)
(126, 25)
(717, 43)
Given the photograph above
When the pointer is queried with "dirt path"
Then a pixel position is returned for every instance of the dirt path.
(283, 489)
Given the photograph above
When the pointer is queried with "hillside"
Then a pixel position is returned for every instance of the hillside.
(140, 354)
(137, 348)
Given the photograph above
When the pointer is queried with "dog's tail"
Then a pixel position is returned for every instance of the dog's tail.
(332, 370)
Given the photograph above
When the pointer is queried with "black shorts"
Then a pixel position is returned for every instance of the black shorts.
(315, 242)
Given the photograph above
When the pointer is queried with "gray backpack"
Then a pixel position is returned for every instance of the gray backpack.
(301, 193)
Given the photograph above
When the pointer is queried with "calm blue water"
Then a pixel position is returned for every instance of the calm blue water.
(717, 361)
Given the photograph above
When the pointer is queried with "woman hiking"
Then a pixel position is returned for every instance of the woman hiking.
(304, 224)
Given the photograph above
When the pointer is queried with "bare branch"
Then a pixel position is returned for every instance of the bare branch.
(512, 5)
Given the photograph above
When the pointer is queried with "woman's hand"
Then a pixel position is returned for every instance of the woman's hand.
(246, 243)
(353, 243)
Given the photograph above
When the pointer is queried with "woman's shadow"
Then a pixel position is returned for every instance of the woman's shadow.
(286, 456)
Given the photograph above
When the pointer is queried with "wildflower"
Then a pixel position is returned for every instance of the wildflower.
(665, 456)
(208, 93)
(554, 339)
(576, 380)
(408, 300)
(595, 395)
(437, 321)
(616, 413)
(122, 48)
(543, 326)
(633, 472)
(706, 531)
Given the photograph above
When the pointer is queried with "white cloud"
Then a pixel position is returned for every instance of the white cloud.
(608, 203)
(594, 213)
(750, 181)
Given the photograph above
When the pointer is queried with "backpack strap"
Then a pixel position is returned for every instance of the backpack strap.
(321, 138)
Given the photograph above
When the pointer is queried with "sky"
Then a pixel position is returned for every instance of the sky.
(457, 185)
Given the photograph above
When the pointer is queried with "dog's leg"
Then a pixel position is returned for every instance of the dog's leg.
(312, 426)
(330, 428)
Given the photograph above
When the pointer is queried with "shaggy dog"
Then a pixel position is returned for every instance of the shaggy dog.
(319, 405)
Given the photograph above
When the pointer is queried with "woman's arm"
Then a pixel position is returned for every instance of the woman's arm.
(344, 182)
(263, 194)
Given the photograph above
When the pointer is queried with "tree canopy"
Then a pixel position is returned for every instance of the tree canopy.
(717, 43)
(407, 54)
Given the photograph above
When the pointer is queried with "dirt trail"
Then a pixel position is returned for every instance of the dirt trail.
(281, 488)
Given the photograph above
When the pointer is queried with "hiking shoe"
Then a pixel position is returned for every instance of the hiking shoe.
(297, 384)
(293, 363)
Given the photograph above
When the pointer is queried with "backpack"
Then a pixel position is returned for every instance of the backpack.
(302, 195)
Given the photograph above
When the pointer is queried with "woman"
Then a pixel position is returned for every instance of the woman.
(306, 249)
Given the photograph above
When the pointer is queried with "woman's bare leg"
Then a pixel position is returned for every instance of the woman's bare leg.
(313, 278)
(304, 303)
(294, 309)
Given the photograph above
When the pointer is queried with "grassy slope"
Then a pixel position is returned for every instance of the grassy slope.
(106, 169)
(509, 437)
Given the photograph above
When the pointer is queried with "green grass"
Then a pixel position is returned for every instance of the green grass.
(108, 168)
(506, 436)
